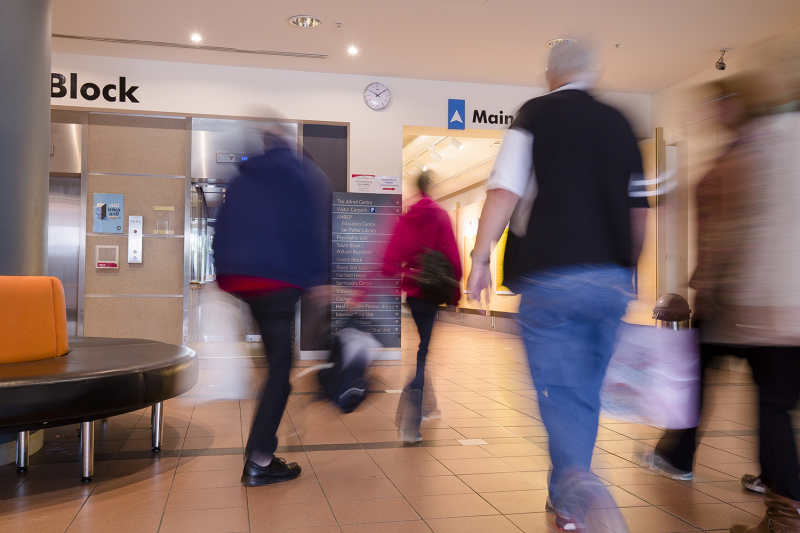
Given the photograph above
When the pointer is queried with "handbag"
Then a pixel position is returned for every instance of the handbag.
(654, 377)
(436, 278)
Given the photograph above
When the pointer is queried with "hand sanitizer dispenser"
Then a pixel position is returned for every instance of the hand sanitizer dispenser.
(135, 239)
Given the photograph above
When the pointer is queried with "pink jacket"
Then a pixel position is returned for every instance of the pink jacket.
(425, 226)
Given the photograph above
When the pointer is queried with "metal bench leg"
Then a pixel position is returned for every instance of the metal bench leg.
(22, 451)
(87, 451)
(157, 414)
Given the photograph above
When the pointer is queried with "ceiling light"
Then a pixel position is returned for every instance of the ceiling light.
(436, 157)
(352, 50)
(457, 145)
(196, 38)
(551, 42)
(305, 21)
(420, 165)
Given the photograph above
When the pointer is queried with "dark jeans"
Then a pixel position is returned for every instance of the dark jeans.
(678, 445)
(776, 371)
(274, 314)
(424, 314)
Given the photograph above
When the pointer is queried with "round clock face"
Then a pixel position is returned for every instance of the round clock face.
(377, 96)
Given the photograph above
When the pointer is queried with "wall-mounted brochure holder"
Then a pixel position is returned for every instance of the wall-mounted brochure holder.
(106, 256)
(135, 224)
(165, 219)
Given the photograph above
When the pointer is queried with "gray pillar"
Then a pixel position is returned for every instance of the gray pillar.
(25, 28)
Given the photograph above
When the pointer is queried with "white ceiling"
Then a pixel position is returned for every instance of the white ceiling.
(458, 168)
(483, 41)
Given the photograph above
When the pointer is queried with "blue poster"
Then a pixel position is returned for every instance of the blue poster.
(456, 111)
(108, 213)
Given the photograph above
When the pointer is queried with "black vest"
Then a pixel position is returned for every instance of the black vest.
(584, 154)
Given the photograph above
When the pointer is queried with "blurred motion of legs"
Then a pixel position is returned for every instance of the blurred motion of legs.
(569, 317)
(585, 504)
(275, 314)
(410, 410)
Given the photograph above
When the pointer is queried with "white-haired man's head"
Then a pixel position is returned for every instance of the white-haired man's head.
(573, 61)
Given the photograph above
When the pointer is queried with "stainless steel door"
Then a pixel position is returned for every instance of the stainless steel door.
(63, 241)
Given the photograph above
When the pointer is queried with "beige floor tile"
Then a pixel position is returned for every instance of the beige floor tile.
(217, 498)
(451, 506)
(394, 455)
(339, 457)
(518, 501)
(127, 523)
(367, 511)
(457, 452)
(289, 492)
(363, 489)
(207, 479)
(729, 492)
(533, 463)
(712, 515)
(653, 520)
(210, 463)
(229, 520)
(473, 524)
(431, 485)
(500, 482)
(20, 510)
(411, 526)
(291, 515)
(414, 469)
(488, 465)
(112, 504)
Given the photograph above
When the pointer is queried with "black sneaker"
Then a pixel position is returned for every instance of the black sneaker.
(275, 472)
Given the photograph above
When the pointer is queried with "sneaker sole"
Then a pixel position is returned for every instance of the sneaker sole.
(755, 488)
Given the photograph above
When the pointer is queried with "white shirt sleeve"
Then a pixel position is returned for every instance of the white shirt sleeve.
(513, 167)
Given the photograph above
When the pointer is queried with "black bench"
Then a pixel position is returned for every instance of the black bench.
(98, 378)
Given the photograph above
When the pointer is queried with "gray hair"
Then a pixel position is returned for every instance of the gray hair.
(570, 60)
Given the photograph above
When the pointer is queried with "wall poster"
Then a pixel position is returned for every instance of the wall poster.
(500, 251)
(108, 212)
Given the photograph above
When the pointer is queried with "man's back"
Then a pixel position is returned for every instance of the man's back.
(584, 154)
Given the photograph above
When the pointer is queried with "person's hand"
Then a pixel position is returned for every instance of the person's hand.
(480, 279)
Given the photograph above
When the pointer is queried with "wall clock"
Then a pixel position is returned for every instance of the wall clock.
(377, 96)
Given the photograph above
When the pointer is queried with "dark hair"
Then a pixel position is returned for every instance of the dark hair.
(425, 182)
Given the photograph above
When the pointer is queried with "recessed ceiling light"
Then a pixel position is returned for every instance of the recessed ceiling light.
(305, 21)
(196, 38)
(352, 50)
(551, 42)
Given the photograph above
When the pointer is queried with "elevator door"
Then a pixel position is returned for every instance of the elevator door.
(63, 241)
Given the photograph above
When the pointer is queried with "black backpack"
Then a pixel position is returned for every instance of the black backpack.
(436, 278)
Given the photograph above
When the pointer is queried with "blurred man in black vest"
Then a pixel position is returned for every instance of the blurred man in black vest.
(567, 181)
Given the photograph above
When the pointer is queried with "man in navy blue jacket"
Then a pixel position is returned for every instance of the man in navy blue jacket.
(271, 245)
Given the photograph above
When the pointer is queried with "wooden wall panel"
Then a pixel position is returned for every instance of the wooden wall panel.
(142, 193)
(161, 270)
(127, 144)
(158, 319)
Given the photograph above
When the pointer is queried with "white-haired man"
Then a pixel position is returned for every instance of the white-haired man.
(562, 182)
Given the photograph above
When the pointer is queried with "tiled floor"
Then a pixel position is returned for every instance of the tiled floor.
(357, 478)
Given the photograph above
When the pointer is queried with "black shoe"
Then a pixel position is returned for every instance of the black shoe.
(275, 472)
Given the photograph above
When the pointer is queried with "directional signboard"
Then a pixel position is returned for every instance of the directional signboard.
(362, 226)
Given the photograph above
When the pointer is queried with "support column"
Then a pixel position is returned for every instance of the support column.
(25, 29)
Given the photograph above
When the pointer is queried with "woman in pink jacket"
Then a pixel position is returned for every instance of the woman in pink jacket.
(426, 226)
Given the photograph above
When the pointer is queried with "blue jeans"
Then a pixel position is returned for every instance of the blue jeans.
(569, 318)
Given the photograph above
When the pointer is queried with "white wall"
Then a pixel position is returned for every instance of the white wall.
(375, 137)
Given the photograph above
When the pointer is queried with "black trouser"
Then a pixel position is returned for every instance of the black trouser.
(678, 445)
(274, 314)
(424, 314)
(776, 371)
